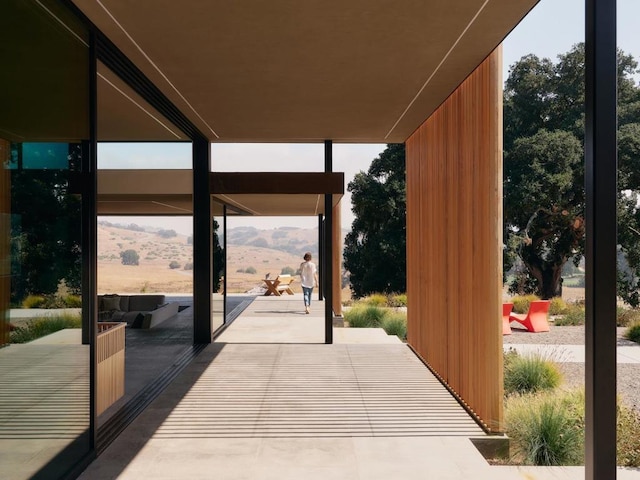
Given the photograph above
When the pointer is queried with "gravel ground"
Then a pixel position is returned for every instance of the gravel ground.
(628, 379)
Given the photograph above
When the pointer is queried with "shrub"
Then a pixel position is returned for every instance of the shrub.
(557, 306)
(33, 301)
(240, 270)
(521, 302)
(397, 300)
(42, 326)
(546, 429)
(395, 323)
(364, 316)
(287, 271)
(72, 301)
(628, 447)
(633, 333)
(529, 373)
(573, 315)
(375, 299)
(250, 270)
(130, 257)
(188, 266)
(173, 265)
(627, 316)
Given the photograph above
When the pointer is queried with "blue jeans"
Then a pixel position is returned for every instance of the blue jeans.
(307, 291)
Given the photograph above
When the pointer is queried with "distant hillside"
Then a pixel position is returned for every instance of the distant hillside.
(295, 241)
(265, 251)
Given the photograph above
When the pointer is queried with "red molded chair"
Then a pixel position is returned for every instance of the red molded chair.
(535, 319)
(506, 310)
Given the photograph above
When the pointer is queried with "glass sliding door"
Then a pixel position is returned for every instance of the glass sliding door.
(44, 125)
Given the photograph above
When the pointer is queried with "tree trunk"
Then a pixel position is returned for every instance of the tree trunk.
(549, 279)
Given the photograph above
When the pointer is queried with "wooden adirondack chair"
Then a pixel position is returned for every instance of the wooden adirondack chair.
(279, 285)
(535, 320)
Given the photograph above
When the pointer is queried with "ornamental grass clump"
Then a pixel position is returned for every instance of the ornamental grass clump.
(626, 317)
(365, 316)
(521, 302)
(395, 323)
(633, 332)
(546, 429)
(43, 326)
(397, 300)
(375, 299)
(529, 373)
(628, 446)
(572, 316)
(557, 306)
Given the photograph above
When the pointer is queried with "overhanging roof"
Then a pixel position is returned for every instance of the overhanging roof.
(169, 192)
(303, 71)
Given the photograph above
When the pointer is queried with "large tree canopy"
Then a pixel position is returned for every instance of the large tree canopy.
(375, 249)
(544, 171)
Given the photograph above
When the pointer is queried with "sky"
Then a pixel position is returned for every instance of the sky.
(550, 29)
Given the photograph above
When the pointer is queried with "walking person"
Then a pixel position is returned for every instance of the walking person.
(308, 279)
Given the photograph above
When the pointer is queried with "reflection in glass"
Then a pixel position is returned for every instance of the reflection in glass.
(44, 366)
(218, 253)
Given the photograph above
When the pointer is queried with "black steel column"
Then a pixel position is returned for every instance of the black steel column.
(320, 257)
(224, 271)
(202, 242)
(89, 235)
(328, 249)
(600, 253)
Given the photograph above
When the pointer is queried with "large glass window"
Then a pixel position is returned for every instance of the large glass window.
(44, 365)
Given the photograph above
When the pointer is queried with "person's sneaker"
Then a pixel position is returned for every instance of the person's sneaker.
(306, 309)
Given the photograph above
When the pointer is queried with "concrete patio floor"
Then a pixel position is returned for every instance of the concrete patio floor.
(269, 400)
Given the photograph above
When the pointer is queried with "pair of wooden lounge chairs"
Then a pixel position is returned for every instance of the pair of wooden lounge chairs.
(279, 285)
(535, 320)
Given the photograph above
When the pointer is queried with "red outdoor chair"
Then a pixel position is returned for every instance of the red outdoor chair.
(535, 319)
(506, 310)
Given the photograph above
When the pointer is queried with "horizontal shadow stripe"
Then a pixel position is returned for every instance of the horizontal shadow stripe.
(293, 390)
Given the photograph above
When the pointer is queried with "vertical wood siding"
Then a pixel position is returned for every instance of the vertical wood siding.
(5, 252)
(111, 359)
(454, 241)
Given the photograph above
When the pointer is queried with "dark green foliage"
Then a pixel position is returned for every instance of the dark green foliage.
(375, 249)
(130, 257)
(167, 233)
(174, 264)
(287, 271)
(188, 266)
(45, 233)
(218, 257)
(250, 270)
(543, 167)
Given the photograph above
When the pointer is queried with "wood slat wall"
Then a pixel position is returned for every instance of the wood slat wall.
(110, 357)
(5, 251)
(454, 241)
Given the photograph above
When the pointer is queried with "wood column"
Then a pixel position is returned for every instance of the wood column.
(454, 241)
(337, 261)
